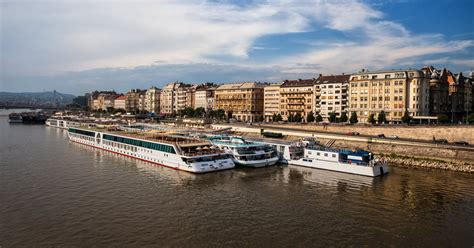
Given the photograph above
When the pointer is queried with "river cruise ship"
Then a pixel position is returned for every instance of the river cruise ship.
(177, 152)
(62, 123)
(246, 153)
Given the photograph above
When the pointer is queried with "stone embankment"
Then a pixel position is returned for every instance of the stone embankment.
(425, 132)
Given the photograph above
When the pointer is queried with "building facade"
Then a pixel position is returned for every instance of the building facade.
(121, 103)
(100, 100)
(243, 100)
(297, 97)
(330, 95)
(152, 100)
(393, 92)
(271, 101)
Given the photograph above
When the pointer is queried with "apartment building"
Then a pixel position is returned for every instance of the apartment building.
(393, 92)
(330, 95)
(100, 100)
(271, 101)
(296, 97)
(243, 100)
(135, 100)
(174, 97)
(152, 100)
(121, 102)
(204, 97)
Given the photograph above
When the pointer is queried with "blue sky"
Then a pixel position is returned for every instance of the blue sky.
(79, 46)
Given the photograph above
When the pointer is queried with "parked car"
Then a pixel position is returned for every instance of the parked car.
(461, 143)
(392, 136)
(353, 133)
(381, 135)
(440, 141)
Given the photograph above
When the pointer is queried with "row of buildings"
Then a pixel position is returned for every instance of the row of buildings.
(422, 93)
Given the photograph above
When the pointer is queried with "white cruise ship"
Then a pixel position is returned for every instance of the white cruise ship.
(62, 123)
(177, 152)
(246, 153)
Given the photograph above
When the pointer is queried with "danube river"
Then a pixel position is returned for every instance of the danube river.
(57, 193)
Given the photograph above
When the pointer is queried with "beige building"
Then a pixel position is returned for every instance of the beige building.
(390, 91)
(135, 100)
(121, 103)
(100, 100)
(296, 97)
(271, 101)
(204, 98)
(330, 95)
(174, 97)
(243, 100)
(152, 100)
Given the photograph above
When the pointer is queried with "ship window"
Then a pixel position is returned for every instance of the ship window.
(334, 155)
(325, 154)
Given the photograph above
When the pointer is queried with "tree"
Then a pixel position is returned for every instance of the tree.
(382, 118)
(319, 118)
(371, 119)
(442, 118)
(343, 117)
(229, 115)
(406, 118)
(297, 118)
(310, 117)
(279, 117)
(274, 117)
(290, 118)
(353, 118)
(332, 117)
(470, 118)
(220, 114)
(199, 112)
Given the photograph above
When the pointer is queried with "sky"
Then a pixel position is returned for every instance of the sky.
(79, 46)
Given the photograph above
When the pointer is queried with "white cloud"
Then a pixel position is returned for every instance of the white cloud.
(51, 37)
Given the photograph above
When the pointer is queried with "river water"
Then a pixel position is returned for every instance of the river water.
(57, 193)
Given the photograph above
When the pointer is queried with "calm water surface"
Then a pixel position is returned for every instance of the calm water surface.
(57, 193)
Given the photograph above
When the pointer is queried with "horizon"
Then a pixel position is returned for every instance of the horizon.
(76, 47)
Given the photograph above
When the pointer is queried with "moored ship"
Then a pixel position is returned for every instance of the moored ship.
(15, 118)
(177, 152)
(246, 153)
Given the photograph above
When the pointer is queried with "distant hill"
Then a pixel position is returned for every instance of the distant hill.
(35, 99)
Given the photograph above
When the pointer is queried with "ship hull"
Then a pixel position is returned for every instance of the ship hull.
(371, 171)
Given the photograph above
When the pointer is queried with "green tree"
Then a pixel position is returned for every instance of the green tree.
(332, 117)
(290, 118)
(297, 118)
(382, 118)
(310, 117)
(344, 117)
(353, 118)
(406, 118)
(470, 118)
(220, 114)
(371, 119)
(279, 117)
(229, 115)
(199, 112)
(274, 117)
(319, 118)
(442, 118)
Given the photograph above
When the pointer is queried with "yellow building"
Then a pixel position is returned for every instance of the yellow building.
(243, 100)
(296, 97)
(271, 101)
(393, 92)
